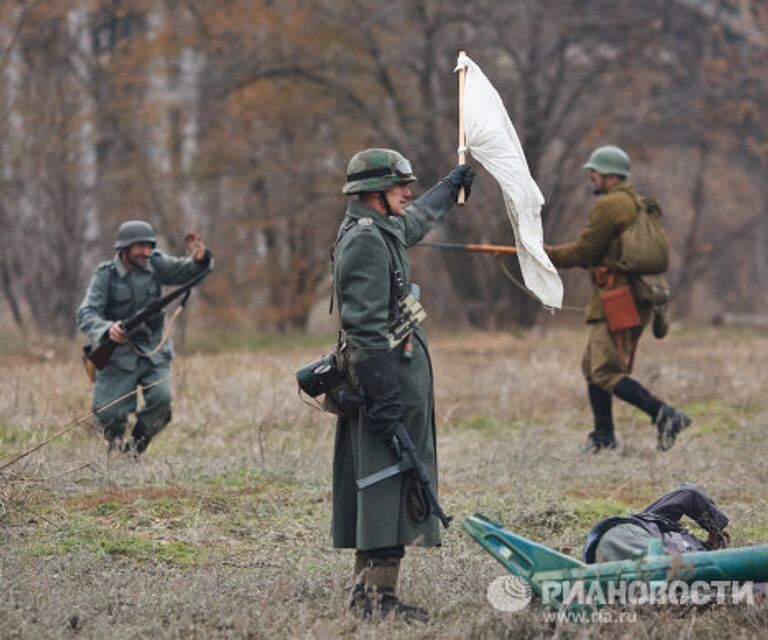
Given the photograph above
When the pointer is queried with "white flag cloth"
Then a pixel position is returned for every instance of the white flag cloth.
(492, 141)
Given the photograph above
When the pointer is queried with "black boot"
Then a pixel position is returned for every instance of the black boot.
(113, 433)
(390, 606)
(631, 391)
(669, 423)
(602, 437)
(138, 441)
(668, 420)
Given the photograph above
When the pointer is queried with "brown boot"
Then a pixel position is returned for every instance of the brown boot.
(381, 588)
(359, 602)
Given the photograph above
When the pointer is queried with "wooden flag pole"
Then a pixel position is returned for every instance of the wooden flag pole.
(462, 134)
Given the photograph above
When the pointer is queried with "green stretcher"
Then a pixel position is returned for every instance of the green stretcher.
(561, 581)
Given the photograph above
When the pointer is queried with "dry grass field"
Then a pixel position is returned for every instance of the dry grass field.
(221, 529)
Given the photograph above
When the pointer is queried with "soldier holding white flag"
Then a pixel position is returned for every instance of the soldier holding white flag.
(371, 283)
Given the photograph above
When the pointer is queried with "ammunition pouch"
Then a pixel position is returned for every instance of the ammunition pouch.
(410, 315)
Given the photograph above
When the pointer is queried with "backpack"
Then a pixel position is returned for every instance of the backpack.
(644, 243)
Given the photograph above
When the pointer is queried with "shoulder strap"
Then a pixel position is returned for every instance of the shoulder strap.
(665, 525)
(110, 278)
(396, 274)
(332, 252)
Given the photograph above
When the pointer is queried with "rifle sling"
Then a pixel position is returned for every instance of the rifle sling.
(169, 327)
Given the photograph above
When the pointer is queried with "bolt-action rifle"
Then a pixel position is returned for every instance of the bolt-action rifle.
(101, 354)
(475, 248)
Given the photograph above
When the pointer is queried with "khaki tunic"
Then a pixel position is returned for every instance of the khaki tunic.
(598, 245)
(370, 248)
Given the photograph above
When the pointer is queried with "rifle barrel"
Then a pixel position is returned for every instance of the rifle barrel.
(474, 248)
(159, 304)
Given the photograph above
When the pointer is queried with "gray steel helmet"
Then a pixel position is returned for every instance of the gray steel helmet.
(377, 170)
(609, 160)
(133, 231)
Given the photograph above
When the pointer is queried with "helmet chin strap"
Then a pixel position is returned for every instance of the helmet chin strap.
(385, 203)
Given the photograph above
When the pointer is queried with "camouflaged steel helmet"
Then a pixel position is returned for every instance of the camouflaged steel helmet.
(134, 231)
(377, 170)
(609, 160)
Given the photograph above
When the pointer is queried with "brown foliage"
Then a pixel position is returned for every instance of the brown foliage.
(238, 117)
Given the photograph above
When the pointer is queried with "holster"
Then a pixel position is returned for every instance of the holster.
(618, 303)
(619, 308)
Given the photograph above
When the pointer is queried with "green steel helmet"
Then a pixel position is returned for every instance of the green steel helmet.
(133, 231)
(609, 160)
(377, 170)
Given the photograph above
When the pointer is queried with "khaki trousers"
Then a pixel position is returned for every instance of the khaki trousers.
(604, 363)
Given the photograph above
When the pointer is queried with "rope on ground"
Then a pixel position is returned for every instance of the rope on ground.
(79, 421)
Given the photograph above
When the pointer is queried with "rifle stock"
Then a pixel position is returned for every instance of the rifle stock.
(101, 354)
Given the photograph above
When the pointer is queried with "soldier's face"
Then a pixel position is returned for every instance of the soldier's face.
(138, 254)
(598, 182)
(398, 198)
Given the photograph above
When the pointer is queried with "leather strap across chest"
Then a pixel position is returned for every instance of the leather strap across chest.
(398, 286)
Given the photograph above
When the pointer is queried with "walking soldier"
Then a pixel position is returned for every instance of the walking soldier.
(607, 361)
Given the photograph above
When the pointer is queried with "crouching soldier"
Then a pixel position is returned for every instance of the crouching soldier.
(118, 289)
(371, 282)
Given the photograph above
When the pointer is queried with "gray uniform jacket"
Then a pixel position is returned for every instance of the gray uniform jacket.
(117, 293)
(370, 248)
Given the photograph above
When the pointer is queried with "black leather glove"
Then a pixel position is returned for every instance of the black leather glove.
(438, 199)
(460, 176)
(381, 388)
